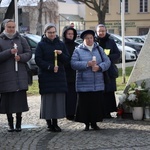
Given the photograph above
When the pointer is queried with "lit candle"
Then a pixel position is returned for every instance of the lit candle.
(55, 58)
(16, 62)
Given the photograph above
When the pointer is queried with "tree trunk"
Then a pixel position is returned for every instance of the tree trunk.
(101, 17)
(39, 23)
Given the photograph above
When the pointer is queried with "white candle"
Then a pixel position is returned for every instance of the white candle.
(94, 58)
(16, 62)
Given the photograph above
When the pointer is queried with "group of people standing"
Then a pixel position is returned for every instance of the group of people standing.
(70, 76)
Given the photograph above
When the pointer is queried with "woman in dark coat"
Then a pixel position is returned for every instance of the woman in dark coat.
(108, 44)
(14, 49)
(69, 35)
(50, 56)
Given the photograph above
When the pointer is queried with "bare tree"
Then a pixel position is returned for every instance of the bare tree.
(100, 6)
(47, 10)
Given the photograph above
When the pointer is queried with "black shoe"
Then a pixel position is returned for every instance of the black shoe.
(10, 124)
(86, 127)
(94, 126)
(11, 129)
(70, 117)
(18, 129)
(18, 124)
(57, 128)
(108, 116)
(51, 128)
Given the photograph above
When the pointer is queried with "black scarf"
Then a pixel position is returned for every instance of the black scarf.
(102, 41)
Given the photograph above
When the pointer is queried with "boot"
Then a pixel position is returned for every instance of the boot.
(55, 125)
(94, 126)
(18, 124)
(50, 126)
(86, 127)
(10, 124)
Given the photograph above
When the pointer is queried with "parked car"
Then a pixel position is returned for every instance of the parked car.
(118, 39)
(32, 40)
(138, 39)
(79, 40)
(130, 53)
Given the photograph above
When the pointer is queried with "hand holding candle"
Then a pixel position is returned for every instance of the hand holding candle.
(55, 58)
(93, 63)
(55, 62)
(16, 62)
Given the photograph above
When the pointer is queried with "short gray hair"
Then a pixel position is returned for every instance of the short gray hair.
(101, 25)
(6, 21)
(48, 26)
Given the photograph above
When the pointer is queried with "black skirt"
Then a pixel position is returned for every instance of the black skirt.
(13, 102)
(109, 102)
(89, 107)
(71, 100)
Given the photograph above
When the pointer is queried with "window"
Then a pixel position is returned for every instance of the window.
(143, 31)
(125, 6)
(143, 5)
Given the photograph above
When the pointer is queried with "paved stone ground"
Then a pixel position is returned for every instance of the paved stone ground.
(115, 134)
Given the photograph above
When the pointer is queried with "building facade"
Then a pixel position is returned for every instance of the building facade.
(136, 17)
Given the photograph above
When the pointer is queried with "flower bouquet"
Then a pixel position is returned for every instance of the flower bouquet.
(136, 96)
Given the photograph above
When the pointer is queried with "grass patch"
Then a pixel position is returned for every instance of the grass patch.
(34, 89)
(120, 84)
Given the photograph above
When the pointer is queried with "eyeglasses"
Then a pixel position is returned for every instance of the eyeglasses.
(11, 27)
(51, 32)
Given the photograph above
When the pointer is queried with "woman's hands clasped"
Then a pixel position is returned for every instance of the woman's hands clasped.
(94, 66)
(14, 51)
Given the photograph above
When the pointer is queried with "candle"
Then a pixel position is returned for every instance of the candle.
(55, 58)
(16, 62)
(94, 58)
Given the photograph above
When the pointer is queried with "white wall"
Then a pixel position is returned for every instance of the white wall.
(65, 8)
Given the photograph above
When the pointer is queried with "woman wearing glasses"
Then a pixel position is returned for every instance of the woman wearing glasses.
(51, 55)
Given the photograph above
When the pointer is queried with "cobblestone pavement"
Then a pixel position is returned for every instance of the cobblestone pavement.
(115, 134)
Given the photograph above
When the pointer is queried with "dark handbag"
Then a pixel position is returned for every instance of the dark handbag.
(105, 73)
(113, 71)
(106, 77)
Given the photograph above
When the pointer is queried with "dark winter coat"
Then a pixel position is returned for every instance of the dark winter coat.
(11, 80)
(70, 44)
(108, 43)
(50, 82)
